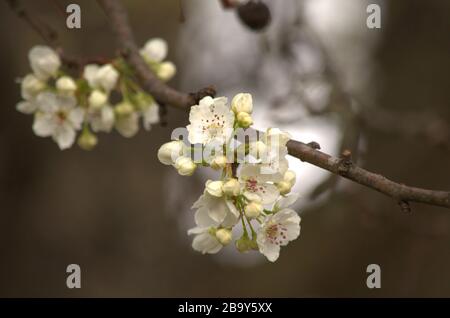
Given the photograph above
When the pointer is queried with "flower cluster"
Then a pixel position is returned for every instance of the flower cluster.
(254, 192)
(62, 105)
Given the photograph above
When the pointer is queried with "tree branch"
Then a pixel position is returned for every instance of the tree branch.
(305, 152)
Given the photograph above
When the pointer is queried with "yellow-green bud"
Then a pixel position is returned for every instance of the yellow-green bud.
(66, 84)
(244, 119)
(185, 166)
(243, 244)
(166, 70)
(290, 177)
(97, 99)
(87, 140)
(124, 109)
(253, 210)
(284, 187)
(214, 188)
(224, 236)
(232, 187)
(242, 103)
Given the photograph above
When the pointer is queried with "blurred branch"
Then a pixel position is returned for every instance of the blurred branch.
(50, 36)
(339, 166)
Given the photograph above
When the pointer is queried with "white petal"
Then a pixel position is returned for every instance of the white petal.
(206, 243)
(151, 116)
(44, 125)
(286, 201)
(47, 102)
(269, 250)
(64, 135)
(90, 73)
(76, 117)
(26, 107)
(202, 218)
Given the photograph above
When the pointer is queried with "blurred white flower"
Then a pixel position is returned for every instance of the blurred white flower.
(211, 121)
(277, 230)
(166, 70)
(59, 117)
(150, 115)
(97, 99)
(185, 166)
(44, 61)
(101, 119)
(31, 86)
(127, 125)
(104, 77)
(154, 50)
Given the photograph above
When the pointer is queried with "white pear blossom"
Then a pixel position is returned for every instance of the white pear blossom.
(27, 107)
(59, 117)
(44, 61)
(253, 183)
(277, 230)
(101, 119)
(154, 50)
(205, 240)
(210, 121)
(31, 86)
(219, 209)
(104, 77)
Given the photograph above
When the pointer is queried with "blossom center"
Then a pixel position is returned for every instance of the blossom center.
(276, 233)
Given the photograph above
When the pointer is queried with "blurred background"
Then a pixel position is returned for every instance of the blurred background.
(317, 71)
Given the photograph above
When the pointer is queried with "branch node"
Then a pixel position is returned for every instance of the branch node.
(345, 162)
(404, 206)
(207, 91)
(314, 145)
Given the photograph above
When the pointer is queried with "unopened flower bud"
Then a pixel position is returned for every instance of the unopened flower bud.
(185, 166)
(97, 99)
(232, 187)
(124, 109)
(219, 162)
(290, 177)
(244, 119)
(169, 152)
(154, 50)
(214, 188)
(66, 84)
(242, 102)
(166, 70)
(243, 244)
(253, 210)
(87, 140)
(224, 236)
(284, 187)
